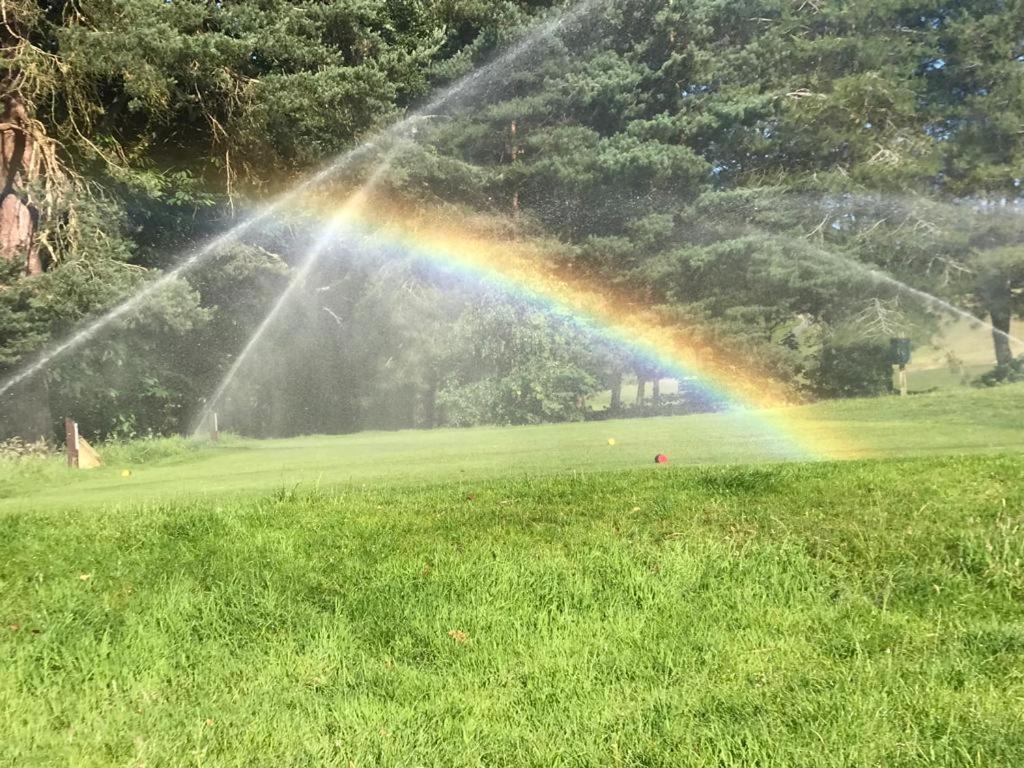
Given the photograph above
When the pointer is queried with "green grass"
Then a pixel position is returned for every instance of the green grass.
(861, 613)
(966, 421)
(602, 400)
(922, 379)
(434, 602)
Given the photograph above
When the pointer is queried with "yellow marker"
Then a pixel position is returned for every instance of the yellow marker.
(126, 473)
(611, 441)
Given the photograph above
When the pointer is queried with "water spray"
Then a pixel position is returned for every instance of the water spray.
(311, 259)
(350, 206)
(926, 298)
(450, 95)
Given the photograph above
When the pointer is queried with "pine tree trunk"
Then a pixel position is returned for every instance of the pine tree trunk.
(1000, 335)
(641, 390)
(26, 413)
(616, 387)
(999, 299)
(19, 219)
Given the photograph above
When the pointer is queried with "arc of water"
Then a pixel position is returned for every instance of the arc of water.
(925, 297)
(462, 87)
(901, 286)
(357, 199)
(944, 305)
(353, 203)
(350, 206)
(311, 258)
(877, 276)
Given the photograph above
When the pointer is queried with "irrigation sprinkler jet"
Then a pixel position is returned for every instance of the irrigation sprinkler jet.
(928, 299)
(329, 230)
(450, 96)
(351, 206)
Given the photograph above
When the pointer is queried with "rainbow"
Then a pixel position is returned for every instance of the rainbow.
(454, 244)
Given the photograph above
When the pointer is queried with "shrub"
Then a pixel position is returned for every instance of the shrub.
(859, 369)
(1011, 373)
(17, 448)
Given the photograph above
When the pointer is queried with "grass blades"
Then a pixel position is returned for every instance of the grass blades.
(860, 613)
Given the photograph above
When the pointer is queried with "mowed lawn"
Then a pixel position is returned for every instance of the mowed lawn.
(857, 613)
(944, 423)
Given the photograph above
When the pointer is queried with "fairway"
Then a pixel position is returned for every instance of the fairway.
(530, 596)
(959, 422)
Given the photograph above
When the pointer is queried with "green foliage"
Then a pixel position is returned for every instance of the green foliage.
(523, 368)
(767, 172)
(852, 370)
(217, 88)
(23, 327)
(798, 160)
(132, 384)
(163, 113)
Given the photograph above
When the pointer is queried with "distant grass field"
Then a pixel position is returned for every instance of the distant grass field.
(969, 343)
(528, 597)
(964, 421)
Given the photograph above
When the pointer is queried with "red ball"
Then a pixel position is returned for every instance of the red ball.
(661, 458)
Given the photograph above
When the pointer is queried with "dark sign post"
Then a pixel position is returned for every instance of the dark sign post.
(71, 439)
(899, 354)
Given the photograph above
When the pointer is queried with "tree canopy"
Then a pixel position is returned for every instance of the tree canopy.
(788, 179)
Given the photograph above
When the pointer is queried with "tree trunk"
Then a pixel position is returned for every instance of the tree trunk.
(656, 391)
(19, 218)
(641, 390)
(1001, 335)
(515, 150)
(999, 299)
(26, 413)
(616, 387)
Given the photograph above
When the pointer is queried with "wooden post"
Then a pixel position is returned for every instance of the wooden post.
(899, 354)
(214, 427)
(71, 438)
